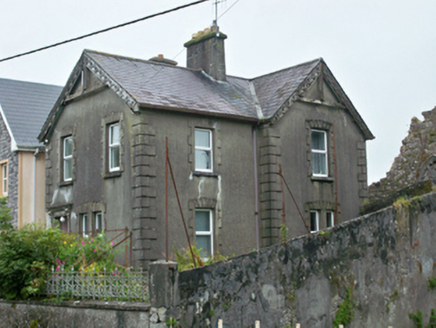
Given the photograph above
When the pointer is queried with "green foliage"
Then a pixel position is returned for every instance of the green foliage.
(432, 322)
(5, 218)
(402, 202)
(417, 319)
(185, 262)
(171, 322)
(431, 283)
(391, 299)
(28, 254)
(283, 233)
(345, 313)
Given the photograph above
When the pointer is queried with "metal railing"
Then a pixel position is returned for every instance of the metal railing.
(122, 285)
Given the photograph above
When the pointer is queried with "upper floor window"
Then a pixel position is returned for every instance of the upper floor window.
(204, 232)
(68, 158)
(314, 221)
(330, 222)
(203, 150)
(114, 147)
(4, 182)
(319, 153)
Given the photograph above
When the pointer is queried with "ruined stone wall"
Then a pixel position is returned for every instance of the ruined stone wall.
(415, 161)
(383, 260)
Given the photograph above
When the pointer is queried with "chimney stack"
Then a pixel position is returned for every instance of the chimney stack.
(206, 51)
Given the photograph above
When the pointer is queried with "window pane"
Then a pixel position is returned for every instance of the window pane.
(319, 163)
(84, 225)
(202, 138)
(329, 219)
(202, 221)
(5, 178)
(68, 146)
(68, 165)
(114, 134)
(204, 242)
(114, 157)
(202, 160)
(318, 140)
(98, 222)
(313, 221)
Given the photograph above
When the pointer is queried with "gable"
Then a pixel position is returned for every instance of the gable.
(321, 88)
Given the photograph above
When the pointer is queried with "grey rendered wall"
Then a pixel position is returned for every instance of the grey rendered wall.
(228, 192)
(136, 198)
(92, 189)
(385, 259)
(12, 157)
(287, 142)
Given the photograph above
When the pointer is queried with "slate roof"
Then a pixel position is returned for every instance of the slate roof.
(26, 106)
(148, 84)
(156, 85)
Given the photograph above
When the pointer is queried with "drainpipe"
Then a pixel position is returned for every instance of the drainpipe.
(34, 184)
(256, 192)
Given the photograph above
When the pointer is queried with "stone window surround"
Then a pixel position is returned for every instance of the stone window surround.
(206, 124)
(322, 207)
(91, 209)
(327, 128)
(107, 121)
(203, 203)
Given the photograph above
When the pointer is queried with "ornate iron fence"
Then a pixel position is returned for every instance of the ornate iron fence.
(108, 285)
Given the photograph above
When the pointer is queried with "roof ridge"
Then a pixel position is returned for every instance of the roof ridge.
(284, 69)
(140, 60)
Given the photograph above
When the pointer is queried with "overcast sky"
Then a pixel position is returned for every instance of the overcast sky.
(382, 52)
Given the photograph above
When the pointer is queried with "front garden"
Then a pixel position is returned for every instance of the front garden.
(36, 263)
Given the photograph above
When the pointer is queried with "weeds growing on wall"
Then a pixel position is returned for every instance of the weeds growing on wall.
(185, 262)
(345, 313)
(417, 319)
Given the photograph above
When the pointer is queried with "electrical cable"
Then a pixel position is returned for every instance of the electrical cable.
(103, 30)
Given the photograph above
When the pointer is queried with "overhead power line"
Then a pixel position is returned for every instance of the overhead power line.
(103, 31)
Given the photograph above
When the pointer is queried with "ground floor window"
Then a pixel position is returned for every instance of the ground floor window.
(330, 222)
(314, 221)
(98, 222)
(84, 227)
(204, 232)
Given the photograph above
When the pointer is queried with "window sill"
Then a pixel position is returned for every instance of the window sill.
(322, 179)
(65, 183)
(205, 174)
(110, 175)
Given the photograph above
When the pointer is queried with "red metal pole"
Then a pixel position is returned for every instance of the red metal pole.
(181, 212)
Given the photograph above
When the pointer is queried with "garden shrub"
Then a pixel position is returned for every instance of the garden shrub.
(28, 254)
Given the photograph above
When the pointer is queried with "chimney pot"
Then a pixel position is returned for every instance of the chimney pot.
(160, 56)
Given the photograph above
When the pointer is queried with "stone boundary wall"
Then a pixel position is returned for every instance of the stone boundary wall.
(75, 314)
(384, 259)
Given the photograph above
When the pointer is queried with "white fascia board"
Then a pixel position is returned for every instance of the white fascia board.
(13, 142)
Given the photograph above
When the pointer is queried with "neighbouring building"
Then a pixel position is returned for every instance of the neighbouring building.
(105, 150)
(24, 107)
